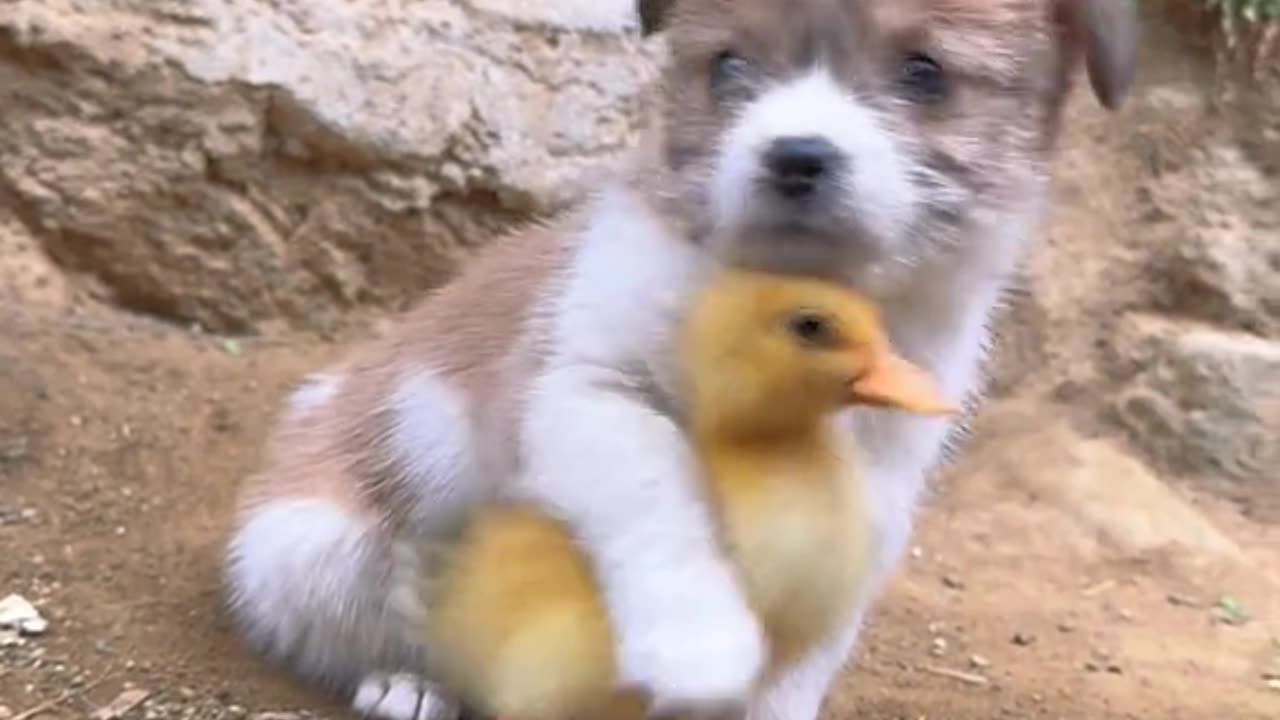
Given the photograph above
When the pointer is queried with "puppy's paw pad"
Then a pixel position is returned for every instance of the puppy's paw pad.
(402, 697)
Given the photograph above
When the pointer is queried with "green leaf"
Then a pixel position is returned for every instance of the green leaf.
(1231, 611)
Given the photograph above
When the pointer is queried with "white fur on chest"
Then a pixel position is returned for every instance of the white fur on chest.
(625, 289)
(944, 329)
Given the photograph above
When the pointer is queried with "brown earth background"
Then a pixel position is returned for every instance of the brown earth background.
(198, 200)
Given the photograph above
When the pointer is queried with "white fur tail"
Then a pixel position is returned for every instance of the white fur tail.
(307, 583)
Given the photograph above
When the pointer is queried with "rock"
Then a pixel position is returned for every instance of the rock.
(124, 702)
(1230, 274)
(1108, 494)
(27, 272)
(1201, 399)
(234, 163)
(1225, 266)
(17, 614)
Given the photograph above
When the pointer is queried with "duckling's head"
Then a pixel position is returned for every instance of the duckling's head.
(772, 349)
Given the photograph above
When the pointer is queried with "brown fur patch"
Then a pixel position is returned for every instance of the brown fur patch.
(475, 332)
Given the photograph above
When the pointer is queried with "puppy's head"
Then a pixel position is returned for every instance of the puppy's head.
(869, 138)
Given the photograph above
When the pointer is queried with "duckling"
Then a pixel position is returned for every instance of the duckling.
(769, 364)
(515, 624)
(515, 621)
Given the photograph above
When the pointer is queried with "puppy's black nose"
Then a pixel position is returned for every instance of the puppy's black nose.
(798, 165)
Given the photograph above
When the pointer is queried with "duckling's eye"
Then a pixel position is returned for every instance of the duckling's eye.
(812, 329)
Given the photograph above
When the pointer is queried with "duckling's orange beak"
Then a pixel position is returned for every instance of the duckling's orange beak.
(890, 381)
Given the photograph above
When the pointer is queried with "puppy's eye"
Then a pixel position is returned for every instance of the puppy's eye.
(730, 75)
(812, 328)
(922, 78)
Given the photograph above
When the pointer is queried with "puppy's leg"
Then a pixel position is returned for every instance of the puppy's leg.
(798, 694)
(310, 584)
(623, 478)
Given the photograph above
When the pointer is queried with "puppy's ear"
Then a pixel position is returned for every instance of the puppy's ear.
(1107, 31)
(653, 14)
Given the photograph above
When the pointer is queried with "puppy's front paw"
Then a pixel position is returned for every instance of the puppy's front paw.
(402, 697)
(702, 662)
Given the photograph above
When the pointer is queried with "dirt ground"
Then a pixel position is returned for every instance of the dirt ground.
(122, 442)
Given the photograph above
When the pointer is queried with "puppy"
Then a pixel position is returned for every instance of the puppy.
(901, 147)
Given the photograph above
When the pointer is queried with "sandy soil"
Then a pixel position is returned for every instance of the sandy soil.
(122, 443)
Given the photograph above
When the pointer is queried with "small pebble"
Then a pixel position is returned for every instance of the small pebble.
(1066, 627)
(119, 707)
(1023, 639)
(939, 646)
(18, 614)
(1272, 684)
(952, 582)
(5, 712)
(979, 662)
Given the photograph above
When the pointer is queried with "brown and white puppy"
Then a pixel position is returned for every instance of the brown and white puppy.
(900, 146)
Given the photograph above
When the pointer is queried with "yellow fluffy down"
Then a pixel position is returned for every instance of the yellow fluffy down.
(516, 626)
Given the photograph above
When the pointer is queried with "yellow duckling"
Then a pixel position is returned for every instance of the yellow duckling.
(516, 625)
(769, 363)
